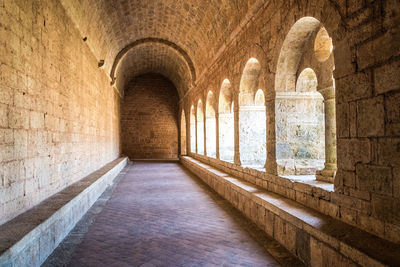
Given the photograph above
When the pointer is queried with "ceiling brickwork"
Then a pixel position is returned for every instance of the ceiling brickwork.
(199, 28)
(153, 58)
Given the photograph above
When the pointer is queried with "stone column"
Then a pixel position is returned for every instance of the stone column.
(329, 172)
(205, 132)
(236, 159)
(271, 164)
(217, 135)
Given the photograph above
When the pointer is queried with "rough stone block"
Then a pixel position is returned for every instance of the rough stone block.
(374, 179)
(269, 223)
(349, 215)
(303, 245)
(389, 151)
(315, 252)
(285, 234)
(343, 126)
(351, 151)
(386, 208)
(371, 224)
(396, 182)
(349, 179)
(379, 49)
(392, 107)
(343, 59)
(6, 96)
(18, 118)
(391, 13)
(3, 116)
(371, 117)
(387, 77)
(392, 232)
(353, 87)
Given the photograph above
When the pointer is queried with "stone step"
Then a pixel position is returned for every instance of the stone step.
(317, 239)
(28, 239)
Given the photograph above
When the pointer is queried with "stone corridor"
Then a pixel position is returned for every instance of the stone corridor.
(159, 214)
(287, 113)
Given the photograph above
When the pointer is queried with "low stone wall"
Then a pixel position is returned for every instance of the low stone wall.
(350, 208)
(315, 238)
(30, 238)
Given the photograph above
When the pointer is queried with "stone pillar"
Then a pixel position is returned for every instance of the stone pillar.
(205, 132)
(270, 163)
(236, 159)
(329, 172)
(217, 135)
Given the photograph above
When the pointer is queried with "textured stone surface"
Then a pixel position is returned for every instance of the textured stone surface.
(296, 227)
(30, 238)
(149, 119)
(59, 118)
(178, 222)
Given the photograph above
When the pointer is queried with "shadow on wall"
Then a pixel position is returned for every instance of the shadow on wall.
(149, 123)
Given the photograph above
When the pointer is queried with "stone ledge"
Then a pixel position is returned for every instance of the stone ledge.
(315, 238)
(29, 239)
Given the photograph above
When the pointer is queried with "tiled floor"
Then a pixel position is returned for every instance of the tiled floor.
(161, 215)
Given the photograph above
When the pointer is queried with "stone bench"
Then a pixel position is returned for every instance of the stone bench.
(315, 238)
(28, 239)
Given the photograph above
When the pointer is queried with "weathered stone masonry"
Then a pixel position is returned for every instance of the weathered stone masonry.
(59, 118)
(365, 38)
(266, 91)
(149, 123)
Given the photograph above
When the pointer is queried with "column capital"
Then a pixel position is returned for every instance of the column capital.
(327, 92)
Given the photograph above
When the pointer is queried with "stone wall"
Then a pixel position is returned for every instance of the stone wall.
(365, 94)
(149, 118)
(59, 118)
(300, 132)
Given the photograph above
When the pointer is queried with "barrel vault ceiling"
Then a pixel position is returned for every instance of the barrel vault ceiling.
(178, 39)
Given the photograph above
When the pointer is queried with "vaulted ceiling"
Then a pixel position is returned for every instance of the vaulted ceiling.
(176, 38)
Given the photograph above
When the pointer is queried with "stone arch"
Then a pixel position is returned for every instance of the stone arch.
(200, 127)
(211, 125)
(301, 131)
(249, 82)
(151, 57)
(252, 118)
(226, 122)
(160, 41)
(292, 52)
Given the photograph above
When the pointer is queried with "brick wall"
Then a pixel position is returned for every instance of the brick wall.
(149, 124)
(59, 118)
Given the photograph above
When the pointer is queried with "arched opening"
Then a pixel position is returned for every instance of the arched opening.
(252, 118)
(183, 133)
(259, 98)
(226, 123)
(200, 128)
(323, 45)
(146, 134)
(304, 127)
(304, 103)
(211, 126)
(192, 130)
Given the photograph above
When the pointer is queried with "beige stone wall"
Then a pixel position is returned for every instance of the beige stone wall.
(365, 37)
(149, 118)
(59, 118)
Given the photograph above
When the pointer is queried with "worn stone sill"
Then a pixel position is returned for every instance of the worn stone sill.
(260, 172)
(310, 180)
(361, 247)
(36, 232)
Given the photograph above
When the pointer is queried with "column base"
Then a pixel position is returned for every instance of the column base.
(326, 175)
